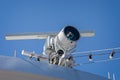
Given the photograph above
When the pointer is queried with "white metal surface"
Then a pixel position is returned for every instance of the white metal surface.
(87, 33)
(42, 69)
(25, 36)
(15, 75)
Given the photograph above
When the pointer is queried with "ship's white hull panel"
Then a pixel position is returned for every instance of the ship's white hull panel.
(40, 70)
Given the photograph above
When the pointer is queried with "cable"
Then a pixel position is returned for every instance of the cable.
(85, 52)
(98, 61)
(91, 54)
(97, 54)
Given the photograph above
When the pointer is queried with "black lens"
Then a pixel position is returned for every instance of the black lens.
(60, 52)
(71, 33)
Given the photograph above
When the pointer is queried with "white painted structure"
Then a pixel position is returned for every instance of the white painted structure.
(23, 69)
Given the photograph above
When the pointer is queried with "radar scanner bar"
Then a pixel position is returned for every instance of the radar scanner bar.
(26, 36)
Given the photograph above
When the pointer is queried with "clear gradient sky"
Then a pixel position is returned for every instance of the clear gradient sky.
(102, 16)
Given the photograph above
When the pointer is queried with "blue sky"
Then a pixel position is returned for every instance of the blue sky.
(102, 16)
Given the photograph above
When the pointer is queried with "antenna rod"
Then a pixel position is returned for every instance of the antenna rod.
(15, 53)
(114, 76)
(108, 76)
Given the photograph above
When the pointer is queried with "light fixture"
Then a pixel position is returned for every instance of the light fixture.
(112, 54)
(90, 57)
